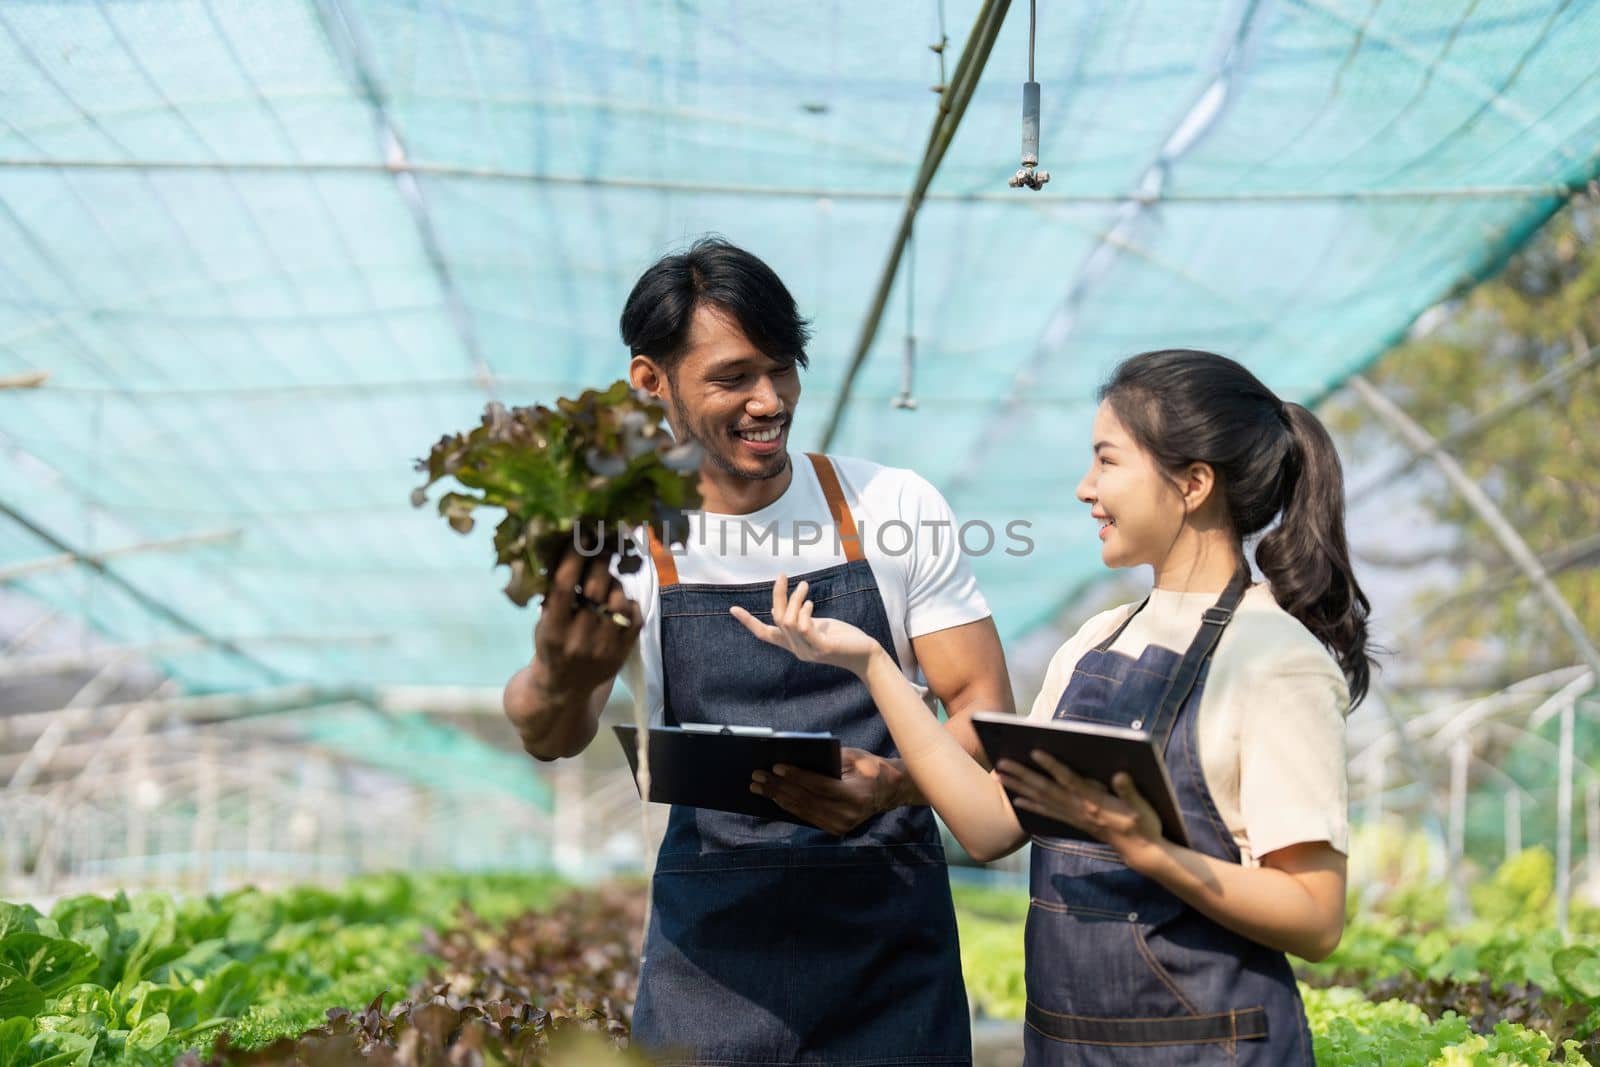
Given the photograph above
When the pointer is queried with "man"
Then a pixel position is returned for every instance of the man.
(772, 942)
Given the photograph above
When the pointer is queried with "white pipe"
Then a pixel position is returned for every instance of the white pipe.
(1564, 819)
(1591, 852)
(1460, 757)
(64, 662)
(442, 170)
(62, 560)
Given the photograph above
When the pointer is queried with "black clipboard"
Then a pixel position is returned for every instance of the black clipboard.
(707, 766)
(1093, 750)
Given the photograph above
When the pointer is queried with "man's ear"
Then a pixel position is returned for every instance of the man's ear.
(646, 374)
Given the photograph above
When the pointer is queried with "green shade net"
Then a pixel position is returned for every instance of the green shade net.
(270, 252)
(455, 761)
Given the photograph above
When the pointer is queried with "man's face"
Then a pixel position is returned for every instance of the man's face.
(731, 398)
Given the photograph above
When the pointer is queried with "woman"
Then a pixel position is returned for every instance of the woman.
(1140, 950)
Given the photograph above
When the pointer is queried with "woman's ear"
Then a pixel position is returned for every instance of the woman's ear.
(1199, 487)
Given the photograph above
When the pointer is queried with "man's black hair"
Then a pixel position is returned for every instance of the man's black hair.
(655, 320)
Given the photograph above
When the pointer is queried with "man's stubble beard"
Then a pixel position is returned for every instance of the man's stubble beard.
(684, 432)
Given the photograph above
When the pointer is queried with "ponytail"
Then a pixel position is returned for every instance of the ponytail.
(1271, 459)
(1306, 557)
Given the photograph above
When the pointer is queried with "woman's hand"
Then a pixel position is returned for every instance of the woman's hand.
(1123, 819)
(813, 640)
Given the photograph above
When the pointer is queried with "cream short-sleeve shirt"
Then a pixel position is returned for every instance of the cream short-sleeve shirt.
(1271, 727)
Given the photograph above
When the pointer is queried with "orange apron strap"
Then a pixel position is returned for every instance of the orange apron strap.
(666, 566)
(849, 536)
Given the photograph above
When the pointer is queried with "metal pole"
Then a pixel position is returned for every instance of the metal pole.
(1460, 758)
(257, 828)
(139, 790)
(1488, 511)
(1591, 851)
(1513, 822)
(62, 560)
(1419, 771)
(399, 166)
(210, 707)
(1377, 782)
(204, 840)
(12, 828)
(1577, 553)
(29, 632)
(1564, 819)
(1586, 356)
(64, 662)
(150, 603)
(45, 745)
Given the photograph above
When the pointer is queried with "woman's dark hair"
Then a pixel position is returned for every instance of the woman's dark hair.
(656, 318)
(1270, 459)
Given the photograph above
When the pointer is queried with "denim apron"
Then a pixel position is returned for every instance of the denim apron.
(773, 943)
(1119, 970)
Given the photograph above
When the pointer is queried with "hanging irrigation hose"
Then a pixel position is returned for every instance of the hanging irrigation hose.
(953, 102)
(1030, 174)
(905, 401)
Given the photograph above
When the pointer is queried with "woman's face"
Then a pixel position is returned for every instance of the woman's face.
(1139, 508)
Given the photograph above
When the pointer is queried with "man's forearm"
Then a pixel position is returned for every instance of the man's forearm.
(553, 723)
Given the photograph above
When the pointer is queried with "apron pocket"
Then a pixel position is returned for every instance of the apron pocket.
(1092, 971)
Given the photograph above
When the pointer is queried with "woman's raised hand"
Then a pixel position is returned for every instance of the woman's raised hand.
(811, 639)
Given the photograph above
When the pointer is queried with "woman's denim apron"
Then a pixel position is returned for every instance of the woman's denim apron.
(772, 943)
(1119, 970)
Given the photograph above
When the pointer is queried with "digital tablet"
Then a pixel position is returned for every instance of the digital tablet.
(1093, 750)
(704, 765)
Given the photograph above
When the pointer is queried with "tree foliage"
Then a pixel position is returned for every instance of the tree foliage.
(1540, 463)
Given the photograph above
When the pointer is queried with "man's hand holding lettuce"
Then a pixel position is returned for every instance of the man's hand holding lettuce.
(572, 480)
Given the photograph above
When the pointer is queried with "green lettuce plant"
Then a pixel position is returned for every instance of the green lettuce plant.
(589, 469)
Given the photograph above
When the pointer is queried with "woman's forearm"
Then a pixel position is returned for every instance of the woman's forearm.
(1267, 905)
(967, 797)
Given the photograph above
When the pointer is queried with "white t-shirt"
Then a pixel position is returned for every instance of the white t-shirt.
(1271, 727)
(908, 538)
